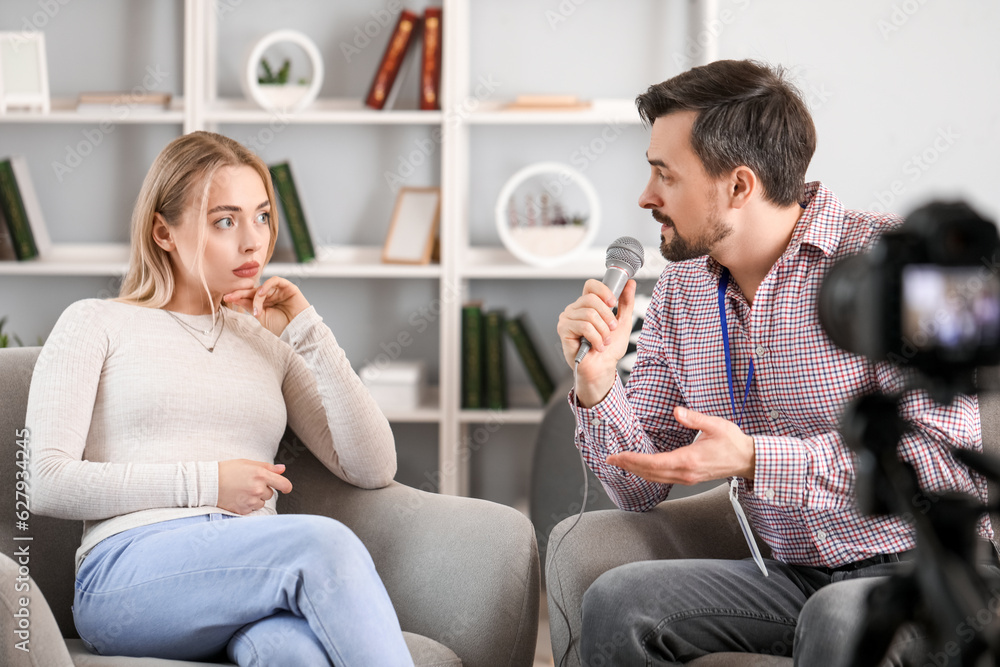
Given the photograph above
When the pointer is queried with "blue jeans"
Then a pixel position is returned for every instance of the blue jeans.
(286, 589)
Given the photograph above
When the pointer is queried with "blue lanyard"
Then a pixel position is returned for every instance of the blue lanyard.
(723, 282)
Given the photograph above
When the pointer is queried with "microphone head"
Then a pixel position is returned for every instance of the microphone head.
(625, 253)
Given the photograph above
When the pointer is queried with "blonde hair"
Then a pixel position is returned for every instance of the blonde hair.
(180, 177)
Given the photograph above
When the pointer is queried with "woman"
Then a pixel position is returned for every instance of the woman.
(155, 419)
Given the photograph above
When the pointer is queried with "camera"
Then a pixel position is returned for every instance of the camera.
(925, 296)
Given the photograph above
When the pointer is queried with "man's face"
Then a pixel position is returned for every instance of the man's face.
(680, 194)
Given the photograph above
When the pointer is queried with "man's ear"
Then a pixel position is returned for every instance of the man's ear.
(163, 233)
(742, 186)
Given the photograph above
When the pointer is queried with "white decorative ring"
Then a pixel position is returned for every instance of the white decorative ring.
(301, 96)
(541, 231)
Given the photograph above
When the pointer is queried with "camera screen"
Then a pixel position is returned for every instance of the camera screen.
(950, 307)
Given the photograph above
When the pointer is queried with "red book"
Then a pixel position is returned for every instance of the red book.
(430, 71)
(392, 59)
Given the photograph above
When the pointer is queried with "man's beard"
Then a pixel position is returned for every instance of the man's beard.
(679, 249)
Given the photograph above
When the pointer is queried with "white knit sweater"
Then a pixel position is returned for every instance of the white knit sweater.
(129, 414)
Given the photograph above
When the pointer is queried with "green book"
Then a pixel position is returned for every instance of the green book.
(7, 252)
(15, 213)
(528, 353)
(496, 384)
(472, 356)
(284, 186)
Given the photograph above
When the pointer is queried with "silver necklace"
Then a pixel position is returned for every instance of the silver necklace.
(191, 330)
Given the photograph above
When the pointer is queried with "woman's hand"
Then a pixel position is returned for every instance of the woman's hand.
(274, 304)
(244, 485)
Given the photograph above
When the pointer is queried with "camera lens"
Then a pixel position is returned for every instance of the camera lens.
(844, 299)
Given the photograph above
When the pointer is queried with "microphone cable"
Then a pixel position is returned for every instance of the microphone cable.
(555, 549)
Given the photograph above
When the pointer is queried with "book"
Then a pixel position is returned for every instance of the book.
(547, 103)
(108, 102)
(496, 382)
(430, 69)
(7, 252)
(288, 195)
(472, 356)
(392, 59)
(517, 331)
(22, 210)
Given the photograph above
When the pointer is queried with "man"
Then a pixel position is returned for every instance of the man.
(749, 243)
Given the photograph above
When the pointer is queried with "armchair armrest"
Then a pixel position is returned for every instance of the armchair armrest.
(461, 571)
(33, 627)
(701, 526)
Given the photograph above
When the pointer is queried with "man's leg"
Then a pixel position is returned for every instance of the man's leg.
(835, 618)
(672, 611)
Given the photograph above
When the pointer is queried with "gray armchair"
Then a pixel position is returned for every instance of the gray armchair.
(701, 526)
(462, 573)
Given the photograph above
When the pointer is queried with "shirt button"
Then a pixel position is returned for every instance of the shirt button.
(821, 535)
(760, 350)
(595, 421)
(769, 494)
(774, 414)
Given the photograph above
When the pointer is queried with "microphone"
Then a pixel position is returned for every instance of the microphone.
(623, 259)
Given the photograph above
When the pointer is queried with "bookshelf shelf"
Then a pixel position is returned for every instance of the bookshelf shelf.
(108, 259)
(601, 111)
(490, 262)
(429, 412)
(64, 112)
(347, 111)
(464, 265)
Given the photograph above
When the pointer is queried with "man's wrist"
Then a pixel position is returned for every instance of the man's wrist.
(589, 394)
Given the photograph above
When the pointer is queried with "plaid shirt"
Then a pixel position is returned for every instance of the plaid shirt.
(801, 501)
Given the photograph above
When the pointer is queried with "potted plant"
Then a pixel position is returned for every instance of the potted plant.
(275, 86)
(4, 338)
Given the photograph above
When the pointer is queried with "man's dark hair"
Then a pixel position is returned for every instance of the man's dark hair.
(748, 114)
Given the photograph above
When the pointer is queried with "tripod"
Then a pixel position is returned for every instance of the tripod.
(945, 593)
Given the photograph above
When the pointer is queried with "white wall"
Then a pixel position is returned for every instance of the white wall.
(889, 83)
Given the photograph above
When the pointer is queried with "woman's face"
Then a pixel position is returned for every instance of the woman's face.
(237, 230)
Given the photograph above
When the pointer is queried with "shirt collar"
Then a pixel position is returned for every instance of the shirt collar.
(820, 225)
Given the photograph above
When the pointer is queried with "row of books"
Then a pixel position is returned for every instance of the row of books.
(484, 376)
(398, 52)
(23, 233)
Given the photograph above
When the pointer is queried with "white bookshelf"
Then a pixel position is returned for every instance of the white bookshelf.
(200, 108)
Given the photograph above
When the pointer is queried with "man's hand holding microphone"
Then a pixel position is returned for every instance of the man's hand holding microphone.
(597, 337)
(590, 322)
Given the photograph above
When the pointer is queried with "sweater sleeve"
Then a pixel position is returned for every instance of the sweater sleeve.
(64, 386)
(331, 410)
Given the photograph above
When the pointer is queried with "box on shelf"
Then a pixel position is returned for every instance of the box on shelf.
(398, 385)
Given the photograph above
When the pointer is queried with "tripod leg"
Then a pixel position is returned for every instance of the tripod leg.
(890, 604)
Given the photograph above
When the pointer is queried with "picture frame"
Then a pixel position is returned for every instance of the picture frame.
(414, 226)
(24, 74)
(547, 214)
